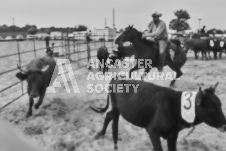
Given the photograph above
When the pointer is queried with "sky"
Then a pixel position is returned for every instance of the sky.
(92, 13)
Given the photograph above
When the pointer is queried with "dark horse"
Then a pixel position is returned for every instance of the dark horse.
(145, 49)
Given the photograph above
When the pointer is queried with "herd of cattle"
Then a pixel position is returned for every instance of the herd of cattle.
(155, 108)
(205, 45)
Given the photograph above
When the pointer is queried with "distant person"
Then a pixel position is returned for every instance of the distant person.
(203, 31)
(47, 39)
(158, 31)
(88, 39)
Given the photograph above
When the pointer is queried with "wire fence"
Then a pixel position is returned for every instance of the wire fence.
(22, 52)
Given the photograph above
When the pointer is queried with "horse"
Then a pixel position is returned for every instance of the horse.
(145, 49)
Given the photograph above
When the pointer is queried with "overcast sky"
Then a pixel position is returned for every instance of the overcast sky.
(64, 13)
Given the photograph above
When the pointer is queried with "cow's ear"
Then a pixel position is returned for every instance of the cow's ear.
(200, 96)
(21, 76)
(215, 86)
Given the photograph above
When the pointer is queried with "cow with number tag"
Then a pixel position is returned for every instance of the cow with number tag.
(162, 111)
(222, 47)
(214, 45)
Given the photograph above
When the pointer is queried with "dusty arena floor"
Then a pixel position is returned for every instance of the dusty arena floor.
(65, 122)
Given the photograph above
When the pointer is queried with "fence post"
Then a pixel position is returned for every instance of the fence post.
(34, 47)
(18, 51)
(88, 50)
(62, 46)
(74, 45)
(78, 54)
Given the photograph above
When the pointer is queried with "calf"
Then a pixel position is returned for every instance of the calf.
(102, 56)
(158, 110)
(39, 74)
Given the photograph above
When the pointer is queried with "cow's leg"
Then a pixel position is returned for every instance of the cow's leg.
(155, 139)
(220, 54)
(115, 127)
(31, 102)
(40, 100)
(133, 69)
(145, 73)
(209, 54)
(215, 55)
(100, 65)
(107, 120)
(196, 54)
(172, 141)
(105, 67)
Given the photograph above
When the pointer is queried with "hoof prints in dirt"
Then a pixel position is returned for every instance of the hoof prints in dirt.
(33, 130)
(57, 108)
(61, 145)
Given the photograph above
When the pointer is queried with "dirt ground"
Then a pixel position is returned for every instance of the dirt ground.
(65, 122)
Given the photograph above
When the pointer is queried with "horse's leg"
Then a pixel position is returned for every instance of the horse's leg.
(178, 74)
(133, 69)
(145, 73)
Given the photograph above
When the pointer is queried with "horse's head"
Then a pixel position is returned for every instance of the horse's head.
(129, 34)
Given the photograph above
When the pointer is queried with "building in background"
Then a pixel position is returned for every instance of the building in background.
(107, 34)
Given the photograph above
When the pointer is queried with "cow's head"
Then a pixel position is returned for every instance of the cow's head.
(209, 109)
(35, 80)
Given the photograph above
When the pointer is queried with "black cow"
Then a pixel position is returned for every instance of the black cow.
(158, 110)
(102, 56)
(197, 45)
(38, 74)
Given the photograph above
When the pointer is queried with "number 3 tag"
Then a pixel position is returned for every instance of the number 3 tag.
(188, 106)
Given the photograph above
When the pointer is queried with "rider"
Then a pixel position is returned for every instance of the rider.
(158, 31)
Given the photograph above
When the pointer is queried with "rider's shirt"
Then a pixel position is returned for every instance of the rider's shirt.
(159, 30)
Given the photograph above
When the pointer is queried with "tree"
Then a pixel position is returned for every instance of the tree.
(180, 23)
(32, 30)
(215, 31)
(81, 28)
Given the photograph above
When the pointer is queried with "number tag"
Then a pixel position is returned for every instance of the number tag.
(188, 106)
(221, 44)
(211, 43)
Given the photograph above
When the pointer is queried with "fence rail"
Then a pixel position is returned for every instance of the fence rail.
(75, 50)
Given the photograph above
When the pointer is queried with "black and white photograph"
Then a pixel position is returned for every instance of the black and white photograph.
(113, 75)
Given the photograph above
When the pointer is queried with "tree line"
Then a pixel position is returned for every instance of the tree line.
(33, 29)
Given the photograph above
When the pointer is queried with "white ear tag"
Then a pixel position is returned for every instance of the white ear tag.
(221, 44)
(211, 43)
(188, 106)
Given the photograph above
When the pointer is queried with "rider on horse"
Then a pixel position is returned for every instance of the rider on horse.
(158, 31)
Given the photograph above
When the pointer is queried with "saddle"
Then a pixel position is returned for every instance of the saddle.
(170, 52)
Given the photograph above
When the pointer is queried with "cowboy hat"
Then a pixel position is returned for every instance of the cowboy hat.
(156, 13)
